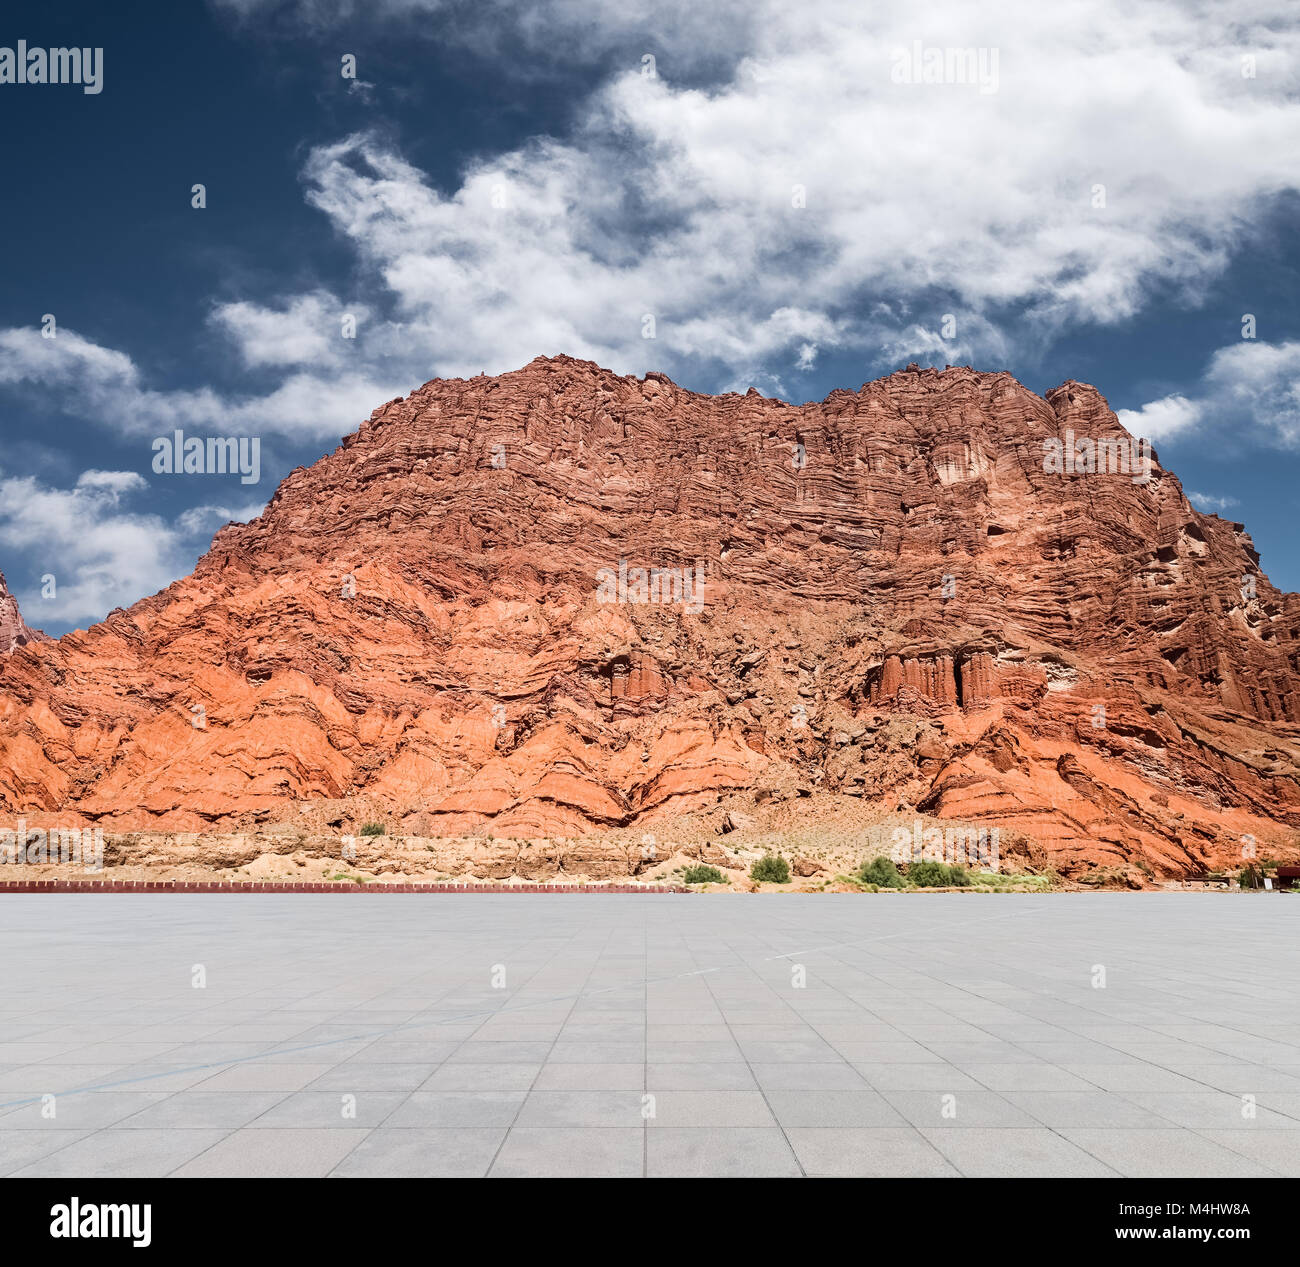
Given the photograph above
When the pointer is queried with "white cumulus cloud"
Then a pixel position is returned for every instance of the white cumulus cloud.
(100, 551)
(1249, 394)
(801, 195)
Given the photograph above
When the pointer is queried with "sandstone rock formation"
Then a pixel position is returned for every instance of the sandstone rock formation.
(14, 631)
(887, 595)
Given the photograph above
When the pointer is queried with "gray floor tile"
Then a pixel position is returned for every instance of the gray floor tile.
(1016, 1152)
(193, 1110)
(880, 1152)
(1084, 1108)
(703, 1152)
(457, 1108)
(355, 1077)
(330, 1108)
(1128, 1078)
(558, 1109)
(710, 1109)
(22, 1148)
(1278, 1150)
(926, 1077)
(571, 1153)
(412, 1152)
(718, 1076)
(1213, 1110)
(118, 1153)
(957, 1109)
(1026, 1077)
(497, 1076)
(259, 1077)
(833, 1109)
(86, 1110)
(288, 1153)
(1175, 1153)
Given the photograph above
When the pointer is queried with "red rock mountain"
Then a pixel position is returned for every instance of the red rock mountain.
(891, 595)
(14, 630)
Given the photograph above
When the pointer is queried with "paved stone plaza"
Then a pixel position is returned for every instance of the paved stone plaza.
(940, 1034)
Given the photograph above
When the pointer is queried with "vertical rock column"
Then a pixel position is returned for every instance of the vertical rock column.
(978, 680)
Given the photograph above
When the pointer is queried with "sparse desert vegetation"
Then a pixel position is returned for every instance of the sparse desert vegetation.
(770, 869)
(847, 848)
(702, 874)
(881, 874)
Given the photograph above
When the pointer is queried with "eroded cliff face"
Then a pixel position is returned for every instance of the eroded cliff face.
(884, 596)
(14, 630)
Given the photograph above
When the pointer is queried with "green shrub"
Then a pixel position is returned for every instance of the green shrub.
(372, 829)
(881, 872)
(772, 869)
(346, 875)
(933, 875)
(926, 874)
(703, 875)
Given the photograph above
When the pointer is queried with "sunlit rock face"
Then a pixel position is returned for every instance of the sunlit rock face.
(560, 602)
(14, 630)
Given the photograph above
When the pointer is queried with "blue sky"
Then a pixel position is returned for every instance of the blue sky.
(504, 179)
